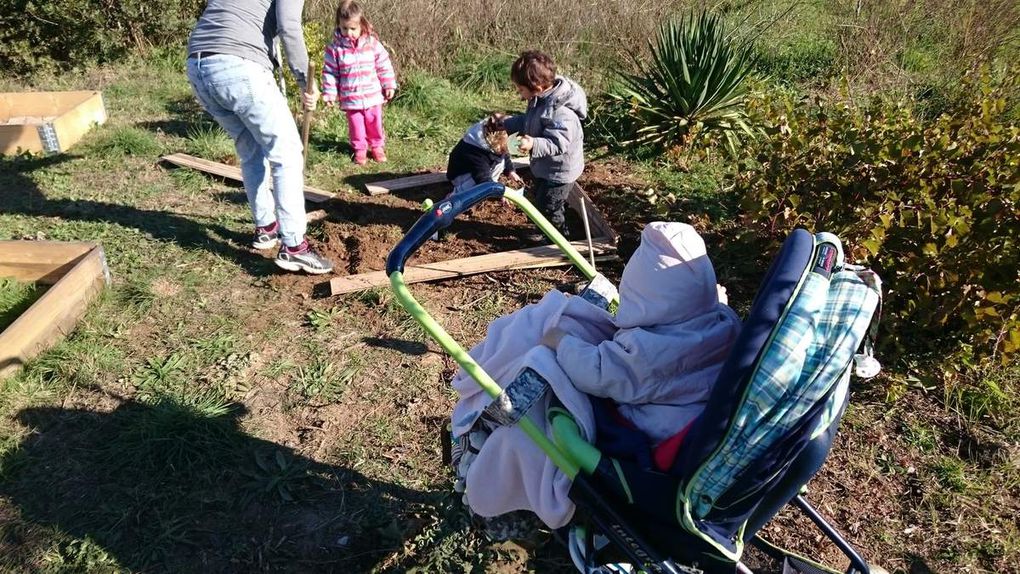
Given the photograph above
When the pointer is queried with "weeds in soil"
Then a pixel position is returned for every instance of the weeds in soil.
(320, 321)
(275, 475)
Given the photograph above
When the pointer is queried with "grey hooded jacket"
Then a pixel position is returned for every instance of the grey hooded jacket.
(553, 119)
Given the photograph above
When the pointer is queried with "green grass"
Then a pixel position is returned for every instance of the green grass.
(209, 141)
(15, 298)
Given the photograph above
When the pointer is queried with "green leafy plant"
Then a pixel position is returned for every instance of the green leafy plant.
(276, 476)
(69, 33)
(694, 84)
(930, 205)
(321, 320)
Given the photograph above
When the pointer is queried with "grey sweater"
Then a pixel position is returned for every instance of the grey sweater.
(247, 28)
(553, 119)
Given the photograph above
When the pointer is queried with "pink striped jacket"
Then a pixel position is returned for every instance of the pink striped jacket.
(356, 72)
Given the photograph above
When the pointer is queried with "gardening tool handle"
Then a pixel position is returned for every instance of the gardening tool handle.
(306, 121)
(440, 216)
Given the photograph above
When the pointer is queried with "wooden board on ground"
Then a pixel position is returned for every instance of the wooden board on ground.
(530, 258)
(77, 271)
(596, 221)
(312, 194)
(48, 122)
(420, 180)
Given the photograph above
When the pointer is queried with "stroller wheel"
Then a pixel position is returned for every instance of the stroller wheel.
(580, 545)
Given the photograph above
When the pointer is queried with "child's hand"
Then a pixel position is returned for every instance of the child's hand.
(525, 144)
(388, 94)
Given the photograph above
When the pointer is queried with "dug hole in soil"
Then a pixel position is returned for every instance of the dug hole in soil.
(360, 230)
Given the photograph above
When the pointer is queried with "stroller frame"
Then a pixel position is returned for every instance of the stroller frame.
(573, 455)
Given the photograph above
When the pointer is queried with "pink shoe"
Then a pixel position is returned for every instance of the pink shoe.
(360, 157)
(379, 155)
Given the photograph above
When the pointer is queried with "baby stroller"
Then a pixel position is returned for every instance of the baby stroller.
(766, 430)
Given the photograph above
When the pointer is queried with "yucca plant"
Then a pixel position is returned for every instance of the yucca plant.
(695, 83)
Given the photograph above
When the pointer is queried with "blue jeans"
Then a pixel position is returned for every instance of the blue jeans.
(244, 99)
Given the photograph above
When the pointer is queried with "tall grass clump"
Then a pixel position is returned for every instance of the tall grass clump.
(695, 82)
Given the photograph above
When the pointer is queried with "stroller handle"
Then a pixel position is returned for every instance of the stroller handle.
(439, 216)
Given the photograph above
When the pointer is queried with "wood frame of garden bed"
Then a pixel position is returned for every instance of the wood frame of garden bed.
(76, 273)
(48, 122)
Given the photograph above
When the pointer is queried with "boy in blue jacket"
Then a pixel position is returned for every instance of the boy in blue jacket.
(550, 131)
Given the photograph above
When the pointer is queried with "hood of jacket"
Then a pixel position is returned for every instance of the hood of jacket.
(565, 93)
(669, 279)
(475, 136)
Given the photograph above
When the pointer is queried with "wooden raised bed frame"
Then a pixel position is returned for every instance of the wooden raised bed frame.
(48, 122)
(75, 271)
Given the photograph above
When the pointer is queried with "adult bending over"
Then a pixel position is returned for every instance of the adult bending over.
(231, 58)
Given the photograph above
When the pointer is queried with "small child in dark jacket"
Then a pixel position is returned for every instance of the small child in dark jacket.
(481, 155)
(550, 131)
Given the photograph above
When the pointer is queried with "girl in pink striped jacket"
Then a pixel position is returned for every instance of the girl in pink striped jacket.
(358, 76)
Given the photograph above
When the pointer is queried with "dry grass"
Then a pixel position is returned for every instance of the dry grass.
(898, 46)
(432, 35)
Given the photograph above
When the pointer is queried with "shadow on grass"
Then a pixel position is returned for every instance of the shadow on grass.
(169, 487)
(20, 194)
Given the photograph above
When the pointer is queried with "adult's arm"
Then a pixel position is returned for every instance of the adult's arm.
(292, 37)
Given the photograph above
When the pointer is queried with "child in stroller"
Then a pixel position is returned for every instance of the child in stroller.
(651, 366)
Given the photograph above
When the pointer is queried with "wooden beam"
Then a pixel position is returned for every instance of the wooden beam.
(54, 314)
(40, 261)
(530, 258)
(420, 180)
(312, 194)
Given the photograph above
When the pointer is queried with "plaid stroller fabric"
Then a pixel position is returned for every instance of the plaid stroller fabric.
(809, 355)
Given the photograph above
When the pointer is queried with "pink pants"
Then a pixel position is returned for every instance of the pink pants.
(365, 128)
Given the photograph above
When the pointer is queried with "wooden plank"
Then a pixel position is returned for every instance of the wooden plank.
(54, 314)
(530, 258)
(40, 261)
(420, 180)
(223, 170)
(596, 221)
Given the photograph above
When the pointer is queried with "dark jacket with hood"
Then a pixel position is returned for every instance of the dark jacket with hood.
(472, 155)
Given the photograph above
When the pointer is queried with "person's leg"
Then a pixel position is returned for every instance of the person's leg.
(552, 198)
(249, 91)
(357, 132)
(220, 86)
(375, 132)
(462, 182)
(272, 128)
